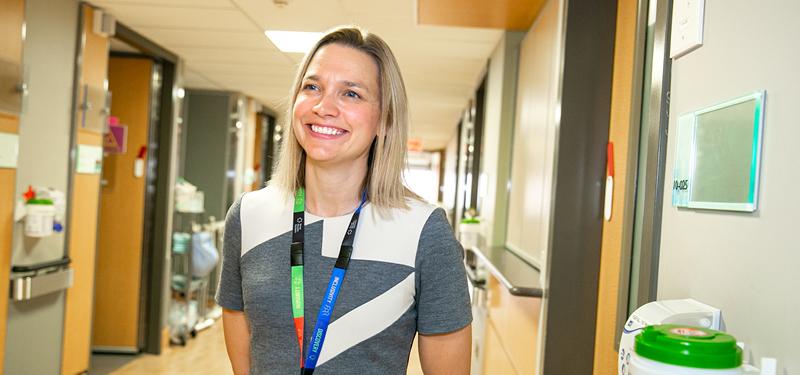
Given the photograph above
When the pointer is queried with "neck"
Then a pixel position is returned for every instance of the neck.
(334, 190)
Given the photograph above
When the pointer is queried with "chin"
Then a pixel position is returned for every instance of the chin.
(321, 156)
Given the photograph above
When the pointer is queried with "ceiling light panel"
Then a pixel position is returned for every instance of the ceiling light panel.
(293, 41)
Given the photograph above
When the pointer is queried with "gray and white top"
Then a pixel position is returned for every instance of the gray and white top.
(405, 276)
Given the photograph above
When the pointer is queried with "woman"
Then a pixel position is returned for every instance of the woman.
(336, 206)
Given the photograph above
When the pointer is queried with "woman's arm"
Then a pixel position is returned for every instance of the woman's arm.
(447, 353)
(237, 340)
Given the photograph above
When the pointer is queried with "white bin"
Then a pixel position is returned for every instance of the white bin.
(39, 216)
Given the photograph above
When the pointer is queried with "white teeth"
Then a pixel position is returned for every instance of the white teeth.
(326, 130)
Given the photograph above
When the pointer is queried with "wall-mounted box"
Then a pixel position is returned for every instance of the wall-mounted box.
(717, 157)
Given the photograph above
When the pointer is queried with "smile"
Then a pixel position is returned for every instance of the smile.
(326, 130)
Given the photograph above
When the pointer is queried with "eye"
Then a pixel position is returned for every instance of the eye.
(310, 86)
(352, 94)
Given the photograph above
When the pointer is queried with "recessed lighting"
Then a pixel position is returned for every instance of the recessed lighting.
(293, 41)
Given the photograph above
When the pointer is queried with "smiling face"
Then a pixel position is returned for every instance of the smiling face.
(337, 109)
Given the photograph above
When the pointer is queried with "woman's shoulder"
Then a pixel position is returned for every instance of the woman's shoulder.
(270, 198)
(417, 212)
(268, 202)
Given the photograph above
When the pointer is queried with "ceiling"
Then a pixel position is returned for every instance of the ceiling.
(223, 46)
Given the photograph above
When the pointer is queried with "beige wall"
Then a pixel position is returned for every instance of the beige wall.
(501, 86)
(535, 136)
(743, 263)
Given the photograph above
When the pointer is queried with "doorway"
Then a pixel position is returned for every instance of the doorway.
(137, 183)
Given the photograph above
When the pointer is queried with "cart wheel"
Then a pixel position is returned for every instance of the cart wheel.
(180, 340)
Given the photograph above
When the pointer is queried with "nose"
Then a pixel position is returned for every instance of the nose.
(326, 105)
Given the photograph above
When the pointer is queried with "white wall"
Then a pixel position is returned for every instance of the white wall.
(746, 264)
(501, 86)
(535, 136)
(450, 177)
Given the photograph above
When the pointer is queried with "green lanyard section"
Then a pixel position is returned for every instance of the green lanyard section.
(296, 255)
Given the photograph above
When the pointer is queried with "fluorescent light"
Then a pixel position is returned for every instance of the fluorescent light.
(293, 41)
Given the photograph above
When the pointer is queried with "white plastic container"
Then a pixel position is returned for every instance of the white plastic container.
(468, 232)
(39, 215)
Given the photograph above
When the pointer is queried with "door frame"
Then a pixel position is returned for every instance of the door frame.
(157, 240)
(639, 274)
(573, 263)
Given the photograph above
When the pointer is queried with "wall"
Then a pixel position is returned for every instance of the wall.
(33, 342)
(501, 94)
(535, 138)
(207, 149)
(744, 263)
(512, 332)
(450, 177)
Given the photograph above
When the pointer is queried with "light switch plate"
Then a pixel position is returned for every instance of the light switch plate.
(9, 150)
(687, 26)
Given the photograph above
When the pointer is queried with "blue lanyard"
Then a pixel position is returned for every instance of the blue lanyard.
(334, 285)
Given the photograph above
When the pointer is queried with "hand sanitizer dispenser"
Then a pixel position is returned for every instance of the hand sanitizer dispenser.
(679, 311)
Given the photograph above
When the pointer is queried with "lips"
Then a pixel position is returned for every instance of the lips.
(325, 131)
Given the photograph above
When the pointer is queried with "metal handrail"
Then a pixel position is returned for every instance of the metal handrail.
(42, 265)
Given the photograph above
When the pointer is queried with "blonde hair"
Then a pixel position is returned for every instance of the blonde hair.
(387, 154)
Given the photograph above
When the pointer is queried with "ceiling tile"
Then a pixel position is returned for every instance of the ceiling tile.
(299, 15)
(143, 16)
(208, 38)
(192, 79)
(222, 4)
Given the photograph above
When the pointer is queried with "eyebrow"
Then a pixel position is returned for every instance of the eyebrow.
(315, 77)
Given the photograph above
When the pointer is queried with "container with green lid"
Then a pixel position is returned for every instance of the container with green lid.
(39, 216)
(685, 350)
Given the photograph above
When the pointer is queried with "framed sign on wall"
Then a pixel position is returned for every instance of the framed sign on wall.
(717, 156)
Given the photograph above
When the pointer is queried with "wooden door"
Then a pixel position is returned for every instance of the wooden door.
(122, 201)
(11, 26)
(84, 198)
(612, 291)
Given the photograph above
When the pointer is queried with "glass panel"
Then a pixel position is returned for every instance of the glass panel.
(723, 154)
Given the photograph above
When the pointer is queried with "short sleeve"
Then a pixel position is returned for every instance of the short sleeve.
(229, 292)
(443, 303)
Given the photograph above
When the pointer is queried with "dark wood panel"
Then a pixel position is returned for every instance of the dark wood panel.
(501, 14)
(11, 18)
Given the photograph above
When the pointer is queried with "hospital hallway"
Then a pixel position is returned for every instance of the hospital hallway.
(586, 187)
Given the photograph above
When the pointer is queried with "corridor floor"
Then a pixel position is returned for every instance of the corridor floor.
(203, 355)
